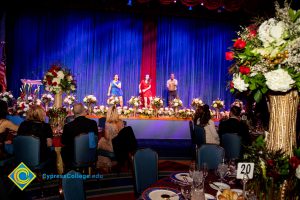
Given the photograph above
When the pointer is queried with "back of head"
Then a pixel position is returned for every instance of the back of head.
(3, 109)
(36, 113)
(235, 111)
(79, 110)
(112, 115)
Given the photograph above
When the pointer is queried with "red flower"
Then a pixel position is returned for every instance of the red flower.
(54, 84)
(239, 44)
(54, 73)
(271, 162)
(252, 30)
(229, 55)
(244, 70)
(231, 84)
(294, 162)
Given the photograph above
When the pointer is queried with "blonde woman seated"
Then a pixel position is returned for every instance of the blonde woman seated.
(113, 125)
(203, 118)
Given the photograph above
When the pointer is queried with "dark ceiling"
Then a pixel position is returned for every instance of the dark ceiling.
(247, 10)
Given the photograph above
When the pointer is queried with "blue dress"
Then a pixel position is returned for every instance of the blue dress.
(115, 91)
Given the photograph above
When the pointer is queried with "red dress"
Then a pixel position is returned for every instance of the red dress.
(145, 85)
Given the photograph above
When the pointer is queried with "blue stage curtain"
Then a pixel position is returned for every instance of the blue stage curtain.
(194, 50)
(95, 46)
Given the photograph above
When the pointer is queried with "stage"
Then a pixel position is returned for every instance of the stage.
(157, 128)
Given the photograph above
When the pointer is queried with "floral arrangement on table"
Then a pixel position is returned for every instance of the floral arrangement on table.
(22, 107)
(157, 102)
(90, 99)
(186, 113)
(124, 111)
(47, 98)
(166, 112)
(267, 55)
(100, 110)
(57, 116)
(147, 112)
(7, 96)
(176, 103)
(58, 79)
(218, 104)
(113, 100)
(273, 172)
(134, 101)
(197, 102)
(70, 99)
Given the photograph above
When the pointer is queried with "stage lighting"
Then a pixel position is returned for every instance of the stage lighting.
(129, 3)
(190, 8)
(202, 4)
(174, 1)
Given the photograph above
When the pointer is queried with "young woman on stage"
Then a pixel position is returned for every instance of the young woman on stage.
(114, 89)
(145, 90)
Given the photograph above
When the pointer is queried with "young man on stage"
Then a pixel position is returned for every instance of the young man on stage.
(172, 88)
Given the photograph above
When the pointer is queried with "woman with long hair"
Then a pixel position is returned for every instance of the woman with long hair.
(203, 118)
(145, 90)
(115, 89)
(113, 125)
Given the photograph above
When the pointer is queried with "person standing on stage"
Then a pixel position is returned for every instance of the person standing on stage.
(172, 88)
(114, 89)
(145, 90)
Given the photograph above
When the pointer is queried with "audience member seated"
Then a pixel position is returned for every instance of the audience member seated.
(79, 125)
(35, 125)
(203, 118)
(113, 125)
(5, 127)
(234, 125)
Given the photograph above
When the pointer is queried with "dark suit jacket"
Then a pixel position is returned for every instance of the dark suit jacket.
(233, 125)
(79, 125)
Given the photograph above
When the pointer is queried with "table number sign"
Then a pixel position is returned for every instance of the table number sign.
(245, 168)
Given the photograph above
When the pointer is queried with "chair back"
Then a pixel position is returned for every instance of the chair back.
(211, 154)
(101, 122)
(232, 144)
(27, 150)
(73, 187)
(192, 132)
(145, 163)
(84, 155)
(16, 119)
(200, 137)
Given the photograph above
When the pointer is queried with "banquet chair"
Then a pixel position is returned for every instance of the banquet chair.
(145, 162)
(200, 137)
(192, 131)
(211, 154)
(16, 119)
(232, 143)
(85, 150)
(73, 188)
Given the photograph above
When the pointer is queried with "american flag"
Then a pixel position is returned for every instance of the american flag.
(3, 72)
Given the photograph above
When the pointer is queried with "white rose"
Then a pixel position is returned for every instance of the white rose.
(136, 104)
(298, 172)
(279, 80)
(239, 83)
(60, 74)
(57, 80)
(69, 78)
(176, 104)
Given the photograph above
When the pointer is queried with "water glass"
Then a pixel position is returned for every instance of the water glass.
(197, 194)
(204, 170)
(192, 169)
(222, 171)
(198, 179)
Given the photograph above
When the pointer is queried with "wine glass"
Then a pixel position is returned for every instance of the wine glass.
(222, 171)
(205, 170)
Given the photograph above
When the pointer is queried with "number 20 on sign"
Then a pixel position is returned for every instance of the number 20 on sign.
(245, 168)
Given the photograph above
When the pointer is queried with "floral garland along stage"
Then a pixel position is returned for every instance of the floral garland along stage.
(267, 61)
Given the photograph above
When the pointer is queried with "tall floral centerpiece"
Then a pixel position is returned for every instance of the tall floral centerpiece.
(157, 103)
(197, 102)
(58, 80)
(47, 99)
(267, 61)
(135, 102)
(176, 103)
(89, 100)
(218, 104)
(69, 101)
(113, 101)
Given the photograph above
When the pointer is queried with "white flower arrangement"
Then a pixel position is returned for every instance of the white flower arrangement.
(176, 103)
(6, 96)
(100, 110)
(70, 99)
(239, 83)
(134, 101)
(196, 102)
(218, 104)
(125, 111)
(113, 100)
(157, 102)
(90, 99)
(186, 113)
(279, 80)
(47, 98)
